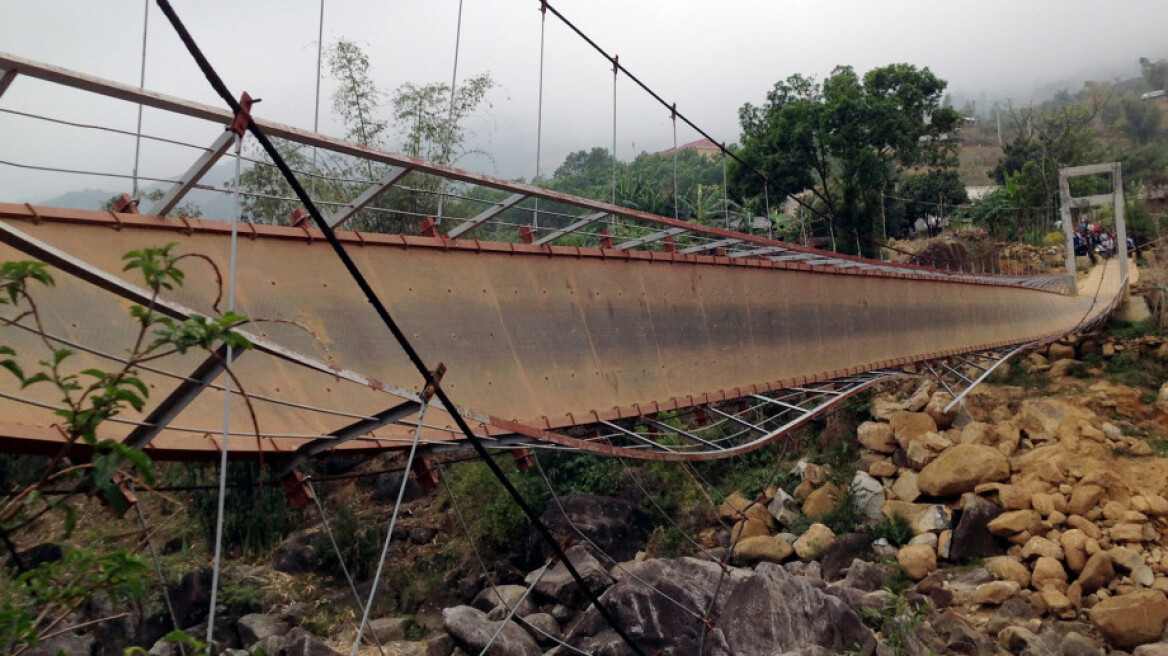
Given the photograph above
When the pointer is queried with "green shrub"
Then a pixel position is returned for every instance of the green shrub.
(896, 529)
(256, 514)
(496, 523)
(359, 544)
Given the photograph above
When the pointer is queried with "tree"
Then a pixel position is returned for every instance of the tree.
(844, 140)
(925, 193)
(1140, 120)
(431, 128)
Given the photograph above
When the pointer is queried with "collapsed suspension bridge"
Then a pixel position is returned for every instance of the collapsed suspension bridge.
(577, 337)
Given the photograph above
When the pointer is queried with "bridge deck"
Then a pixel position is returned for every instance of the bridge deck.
(534, 338)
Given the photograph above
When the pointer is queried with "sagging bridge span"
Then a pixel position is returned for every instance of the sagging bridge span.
(545, 345)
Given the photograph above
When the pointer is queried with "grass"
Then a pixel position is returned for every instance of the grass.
(1125, 330)
(896, 529)
(1037, 381)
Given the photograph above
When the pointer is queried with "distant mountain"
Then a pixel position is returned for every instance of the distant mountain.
(214, 204)
(82, 199)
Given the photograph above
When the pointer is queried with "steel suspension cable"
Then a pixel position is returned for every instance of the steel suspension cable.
(615, 75)
(595, 46)
(539, 110)
(217, 561)
(450, 109)
(676, 208)
(341, 559)
(141, 86)
(439, 470)
(507, 620)
(401, 492)
(316, 100)
(371, 296)
(158, 569)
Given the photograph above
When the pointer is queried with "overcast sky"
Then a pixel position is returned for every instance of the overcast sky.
(709, 57)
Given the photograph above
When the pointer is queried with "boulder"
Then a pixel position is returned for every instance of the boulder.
(865, 576)
(297, 641)
(905, 488)
(1048, 572)
(472, 630)
(758, 549)
(1097, 573)
(505, 597)
(814, 542)
(1074, 543)
(636, 602)
(543, 627)
(936, 409)
(388, 629)
(1060, 352)
(192, 597)
(882, 469)
(842, 551)
(923, 517)
(558, 584)
(1083, 499)
(869, 495)
(294, 554)
(962, 468)
(994, 592)
(917, 560)
(1153, 649)
(1132, 619)
(908, 427)
(822, 501)
(1009, 569)
(783, 507)
(748, 528)
(1014, 521)
(877, 436)
(773, 612)
(1056, 603)
(971, 538)
(619, 528)
(1040, 546)
(256, 626)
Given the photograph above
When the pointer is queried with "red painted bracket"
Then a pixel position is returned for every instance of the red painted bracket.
(296, 489)
(243, 116)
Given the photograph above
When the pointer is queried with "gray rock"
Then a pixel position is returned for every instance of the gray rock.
(489, 599)
(543, 627)
(773, 611)
(842, 552)
(471, 630)
(66, 643)
(971, 538)
(440, 645)
(852, 597)
(388, 629)
(655, 623)
(1076, 644)
(299, 642)
(869, 494)
(405, 648)
(617, 526)
(294, 554)
(557, 583)
(255, 627)
(192, 597)
(810, 650)
(866, 576)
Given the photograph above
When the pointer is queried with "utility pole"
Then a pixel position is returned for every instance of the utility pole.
(998, 114)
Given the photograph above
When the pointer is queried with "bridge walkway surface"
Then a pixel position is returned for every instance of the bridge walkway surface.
(537, 340)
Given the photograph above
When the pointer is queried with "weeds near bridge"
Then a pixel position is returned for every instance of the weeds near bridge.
(48, 592)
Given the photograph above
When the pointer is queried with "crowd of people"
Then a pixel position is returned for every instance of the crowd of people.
(1093, 240)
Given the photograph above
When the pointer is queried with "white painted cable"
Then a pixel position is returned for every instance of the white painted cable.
(217, 560)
